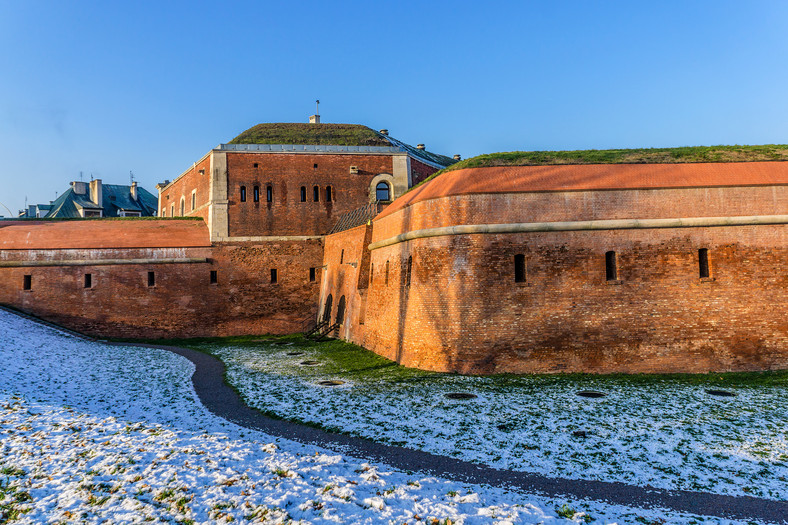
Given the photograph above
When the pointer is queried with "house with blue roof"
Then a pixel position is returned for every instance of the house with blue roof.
(94, 199)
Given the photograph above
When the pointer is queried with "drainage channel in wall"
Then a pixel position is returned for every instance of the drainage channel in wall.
(331, 382)
(460, 395)
(593, 394)
(721, 393)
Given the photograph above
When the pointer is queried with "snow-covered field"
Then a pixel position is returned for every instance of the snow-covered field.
(665, 433)
(96, 433)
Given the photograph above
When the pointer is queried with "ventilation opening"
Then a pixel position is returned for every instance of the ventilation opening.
(151, 278)
(312, 274)
(409, 271)
(303, 193)
(27, 282)
(387, 273)
(243, 193)
(371, 272)
(256, 194)
(214, 276)
(274, 276)
(611, 269)
(269, 194)
(315, 166)
(703, 263)
(342, 257)
(88, 280)
(255, 164)
(519, 268)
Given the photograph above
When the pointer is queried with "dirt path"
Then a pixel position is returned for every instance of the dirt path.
(225, 402)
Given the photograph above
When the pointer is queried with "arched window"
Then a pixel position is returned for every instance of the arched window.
(409, 271)
(327, 308)
(243, 193)
(316, 193)
(341, 310)
(519, 268)
(303, 193)
(611, 268)
(269, 194)
(183, 206)
(172, 210)
(256, 194)
(382, 192)
(703, 263)
(328, 193)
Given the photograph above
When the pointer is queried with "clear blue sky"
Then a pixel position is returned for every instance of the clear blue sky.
(108, 87)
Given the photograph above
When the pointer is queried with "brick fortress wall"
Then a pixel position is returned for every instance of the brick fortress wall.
(183, 302)
(198, 178)
(463, 311)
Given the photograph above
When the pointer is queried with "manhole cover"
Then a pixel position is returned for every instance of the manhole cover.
(460, 395)
(331, 382)
(310, 363)
(591, 393)
(295, 353)
(720, 393)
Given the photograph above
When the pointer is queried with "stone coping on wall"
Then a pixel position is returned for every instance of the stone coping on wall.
(617, 224)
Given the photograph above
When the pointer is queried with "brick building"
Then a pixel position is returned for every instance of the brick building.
(576, 268)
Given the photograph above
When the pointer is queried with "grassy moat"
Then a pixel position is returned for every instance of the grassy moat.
(670, 431)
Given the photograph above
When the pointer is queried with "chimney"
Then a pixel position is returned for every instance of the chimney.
(457, 157)
(384, 132)
(80, 188)
(314, 119)
(96, 195)
(419, 146)
(134, 190)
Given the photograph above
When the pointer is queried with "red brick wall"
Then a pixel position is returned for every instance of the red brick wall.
(183, 303)
(463, 311)
(191, 180)
(286, 173)
(420, 171)
(348, 278)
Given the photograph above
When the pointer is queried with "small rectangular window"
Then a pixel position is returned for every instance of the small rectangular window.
(312, 274)
(703, 263)
(519, 268)
(371, 272)
(214, 276)
(315, 166)
(255, 164)
(269, 194)
(27, 282)
(611, 268)
(243, 193)
(316, 193)
(328, 194)
(342, 257)
(387, 273)
(256, 194)
(273, 276)
(194, 200)
(88, 280)
(151, 278)
(303, 193)
(409, 271)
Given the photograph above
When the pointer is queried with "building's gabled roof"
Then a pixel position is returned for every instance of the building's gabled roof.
(115, 198)
(332, 135)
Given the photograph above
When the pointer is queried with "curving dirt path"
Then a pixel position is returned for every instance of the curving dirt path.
(225, 402)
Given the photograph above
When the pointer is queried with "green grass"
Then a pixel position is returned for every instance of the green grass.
(317, 134)
(687, 154)
(363, 366)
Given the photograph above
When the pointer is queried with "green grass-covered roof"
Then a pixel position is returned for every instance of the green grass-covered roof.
(313, 134)
(686, 154)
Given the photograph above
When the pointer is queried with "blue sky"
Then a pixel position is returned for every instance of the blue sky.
(149, 87)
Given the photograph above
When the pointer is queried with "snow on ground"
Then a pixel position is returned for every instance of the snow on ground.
(97, 433)
(667, 433)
